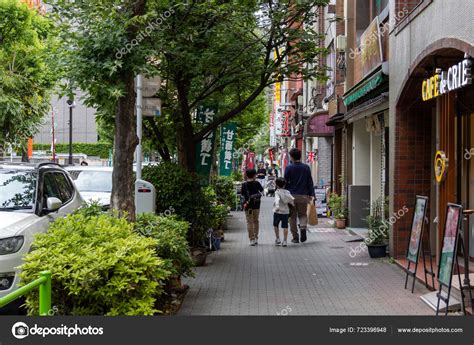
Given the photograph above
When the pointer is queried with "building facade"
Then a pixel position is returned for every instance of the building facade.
(359, 108)
(431, 107)
(84, 127)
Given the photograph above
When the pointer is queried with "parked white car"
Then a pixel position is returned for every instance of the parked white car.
(94, 183)
(31, 197)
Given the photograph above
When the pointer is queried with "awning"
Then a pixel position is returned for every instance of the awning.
(373, 105)
(364, 88)
(335, 120)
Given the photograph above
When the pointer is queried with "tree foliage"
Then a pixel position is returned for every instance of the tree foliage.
(206, 51)
(26, 72)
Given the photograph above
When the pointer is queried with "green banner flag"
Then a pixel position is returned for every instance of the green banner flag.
(205, 149)
(228, 138)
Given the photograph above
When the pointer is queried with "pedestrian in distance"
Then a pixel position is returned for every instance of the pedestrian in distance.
(281, 211)
(300, 184)
(273, 171)
(261, 174)
(252, 192)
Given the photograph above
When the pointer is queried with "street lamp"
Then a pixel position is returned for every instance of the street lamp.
(71, 105)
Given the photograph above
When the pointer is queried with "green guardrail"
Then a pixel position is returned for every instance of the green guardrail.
(44, 283)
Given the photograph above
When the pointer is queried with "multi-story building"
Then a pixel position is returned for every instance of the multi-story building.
(360, 116)
(431, 114)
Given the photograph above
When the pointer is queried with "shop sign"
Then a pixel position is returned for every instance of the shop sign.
(456, 77)
(272, 129)
(371, 48)
(440, 166)
(282, 122)
(228, 137)
(371, 84)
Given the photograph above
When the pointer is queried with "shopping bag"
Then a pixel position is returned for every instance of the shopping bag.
(312, 214)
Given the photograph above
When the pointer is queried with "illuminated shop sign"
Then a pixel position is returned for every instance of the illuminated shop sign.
(442, 82)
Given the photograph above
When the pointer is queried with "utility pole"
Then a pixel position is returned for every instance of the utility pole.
(71, 104)
(53, 144)
(139, 127)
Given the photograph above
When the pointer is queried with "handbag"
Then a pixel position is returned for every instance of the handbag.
(312, 214)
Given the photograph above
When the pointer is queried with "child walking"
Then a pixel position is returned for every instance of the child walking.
(281, 211)
(252, 191)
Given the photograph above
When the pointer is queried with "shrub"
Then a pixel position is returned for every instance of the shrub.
(99, 265)
(177, 188)
(218, 212)
(337, 205)
(225, 190)
(237, 176)
(91, 149)
(170, 235)
(376, 224)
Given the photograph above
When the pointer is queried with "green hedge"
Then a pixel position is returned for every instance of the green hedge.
(99, 266)
(91, 149)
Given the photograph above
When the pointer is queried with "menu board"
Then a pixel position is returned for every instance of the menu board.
(321, 201)
(417, 228)
(448, 251)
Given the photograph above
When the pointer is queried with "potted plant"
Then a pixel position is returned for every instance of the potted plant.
(377, 240)
(337, 205)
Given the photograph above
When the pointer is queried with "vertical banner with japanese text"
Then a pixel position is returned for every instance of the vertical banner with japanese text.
(205, 149)
(228, 137)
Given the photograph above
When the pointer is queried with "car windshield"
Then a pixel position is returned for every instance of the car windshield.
(17, 190)
(93, 181)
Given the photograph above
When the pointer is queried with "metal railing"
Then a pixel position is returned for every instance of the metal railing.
(44, 283)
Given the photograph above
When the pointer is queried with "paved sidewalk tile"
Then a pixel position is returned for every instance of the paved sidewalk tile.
(318, 277)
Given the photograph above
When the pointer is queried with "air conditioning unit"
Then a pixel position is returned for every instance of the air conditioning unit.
(341, 43)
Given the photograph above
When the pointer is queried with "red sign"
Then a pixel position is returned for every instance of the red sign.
(285, 124)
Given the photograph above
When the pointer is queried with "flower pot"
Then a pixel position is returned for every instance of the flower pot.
(199, 256)
(377, 250)
(340, 223)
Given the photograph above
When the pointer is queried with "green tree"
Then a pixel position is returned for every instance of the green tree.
(204, 50)
(26, 78)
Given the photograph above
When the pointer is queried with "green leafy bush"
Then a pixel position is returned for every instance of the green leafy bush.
(170, 235)
(225, 190)
(337, 205)
(91, 149)
(99, 265)
(177, 188)
(218, 211)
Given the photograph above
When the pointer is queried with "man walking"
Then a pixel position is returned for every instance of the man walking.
(300, 184)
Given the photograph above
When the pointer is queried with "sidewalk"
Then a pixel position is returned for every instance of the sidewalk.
(315, 278)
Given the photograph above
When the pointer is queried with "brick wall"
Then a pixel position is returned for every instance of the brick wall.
(413, 160)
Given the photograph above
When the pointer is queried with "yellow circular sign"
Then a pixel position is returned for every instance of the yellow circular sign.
(440, 166)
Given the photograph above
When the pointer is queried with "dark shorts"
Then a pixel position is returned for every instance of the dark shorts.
(283, 218)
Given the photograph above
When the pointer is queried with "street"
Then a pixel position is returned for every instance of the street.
(314, 278)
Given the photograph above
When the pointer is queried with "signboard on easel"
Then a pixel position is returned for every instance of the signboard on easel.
(416, 234)
(415, 244)
(448, 257)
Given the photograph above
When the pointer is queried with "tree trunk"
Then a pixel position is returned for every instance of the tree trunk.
(186, 149)
(185, 142)
(125, 143)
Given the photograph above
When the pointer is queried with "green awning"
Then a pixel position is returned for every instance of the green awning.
(370, 84)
